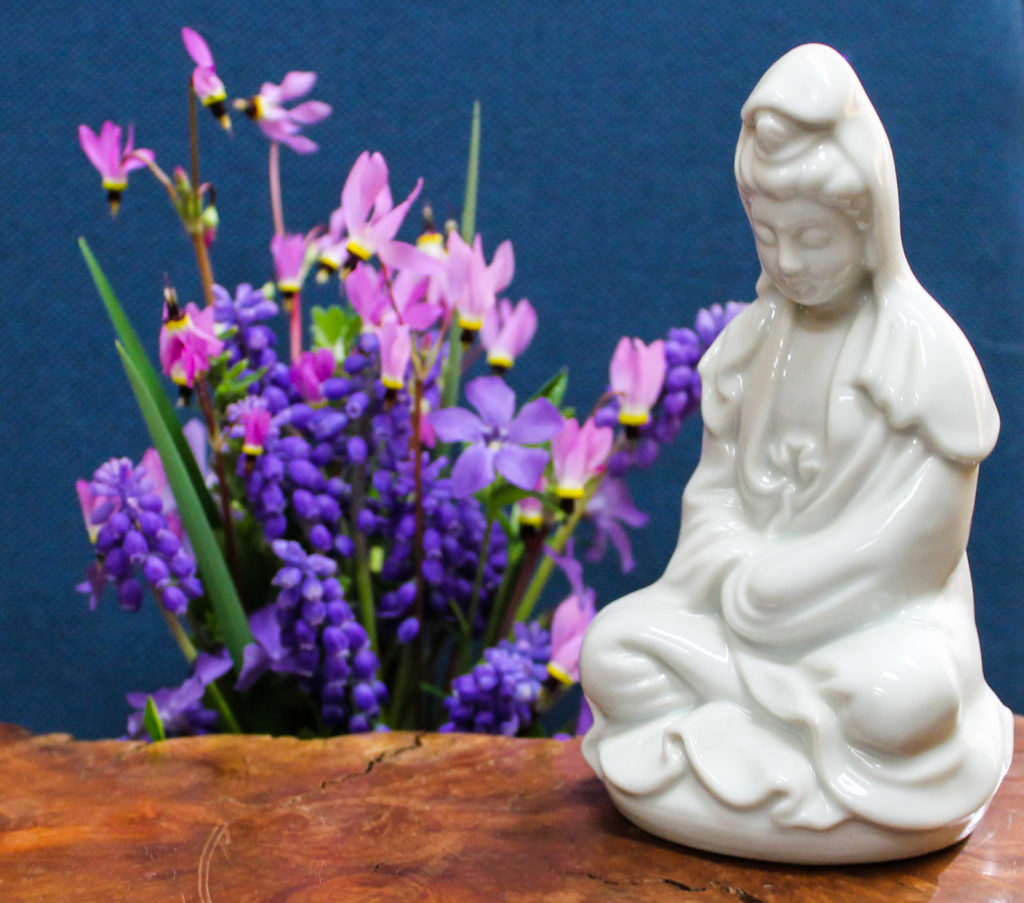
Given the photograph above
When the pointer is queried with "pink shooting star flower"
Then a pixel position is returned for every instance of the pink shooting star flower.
(290, 252)
(476, 283)
(430, 241)
(188, 342)
(283, 125)
(570, 620)
(252, 421)
(205, 81)
(105, 153)
(371, 221)
(637, 374)
(368, 293)
(395, 352)
(331, 253)
(530, 510)
(409, 289)
(578, 453)
(309, 372)
(507, 332)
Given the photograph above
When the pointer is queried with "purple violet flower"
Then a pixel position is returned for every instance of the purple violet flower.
(609, 508)
(268, 653)
(497, 439)
(180, 708)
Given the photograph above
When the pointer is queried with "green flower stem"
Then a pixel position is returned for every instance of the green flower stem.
(230, 547)
(540, 577)
(420, 527)
(178, 632)
(452, 375)
(466, 641)
(453, 365)
(468, 225)
(364, 586)
(190, 653)
(509, 579)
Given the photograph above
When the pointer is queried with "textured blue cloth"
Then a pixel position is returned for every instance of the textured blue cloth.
(608, 135)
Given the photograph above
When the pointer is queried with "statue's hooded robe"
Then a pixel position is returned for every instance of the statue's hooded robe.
(811, 648)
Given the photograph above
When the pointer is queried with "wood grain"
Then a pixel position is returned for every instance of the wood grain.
(457, 818)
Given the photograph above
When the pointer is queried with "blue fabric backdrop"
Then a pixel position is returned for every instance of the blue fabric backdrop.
(608, 137)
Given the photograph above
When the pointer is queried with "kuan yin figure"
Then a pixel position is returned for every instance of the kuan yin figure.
(804, 683)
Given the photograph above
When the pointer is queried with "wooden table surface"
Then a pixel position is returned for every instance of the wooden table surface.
(460, 818)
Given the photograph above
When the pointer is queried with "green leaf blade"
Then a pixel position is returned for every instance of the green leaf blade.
(468, 226)
(152, 722)
(219, 586)
(136, 353)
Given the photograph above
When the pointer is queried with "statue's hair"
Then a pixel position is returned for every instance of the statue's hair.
(781, 158)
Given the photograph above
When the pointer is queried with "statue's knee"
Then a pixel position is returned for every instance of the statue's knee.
(904, 710)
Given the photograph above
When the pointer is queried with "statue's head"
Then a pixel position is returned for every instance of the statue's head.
(815, 173)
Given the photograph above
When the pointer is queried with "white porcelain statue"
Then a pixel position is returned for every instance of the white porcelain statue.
(804, 683)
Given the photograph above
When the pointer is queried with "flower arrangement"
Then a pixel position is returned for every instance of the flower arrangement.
(337, 541)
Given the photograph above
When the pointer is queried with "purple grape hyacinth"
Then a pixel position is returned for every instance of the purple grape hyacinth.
(498, 696)
(138, 538)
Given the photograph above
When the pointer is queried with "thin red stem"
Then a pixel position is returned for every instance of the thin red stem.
(295, 328)
(275, 188)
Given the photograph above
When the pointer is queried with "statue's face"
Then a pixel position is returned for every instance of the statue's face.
(814, 254)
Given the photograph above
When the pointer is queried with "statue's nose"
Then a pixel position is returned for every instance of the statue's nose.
(791, 261)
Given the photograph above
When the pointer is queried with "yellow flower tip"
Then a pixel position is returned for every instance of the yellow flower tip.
(225, 122)
(633, 418)
(356, 249)
(560, 674)
(391, 383)
(214, 99)
(531, 518)
(180, 324)
(430, 239)
(470, 325)
(569, 492)
(498, 360)
(251, 106)
(252, 450)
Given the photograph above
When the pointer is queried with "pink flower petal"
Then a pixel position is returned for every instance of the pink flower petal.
(196, 47)
(296, 84)
(310, 112)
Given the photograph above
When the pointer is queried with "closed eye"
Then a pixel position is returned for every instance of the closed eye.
(815, 237)
(763, 234)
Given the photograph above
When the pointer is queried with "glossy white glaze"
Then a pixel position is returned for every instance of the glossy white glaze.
(804, 683)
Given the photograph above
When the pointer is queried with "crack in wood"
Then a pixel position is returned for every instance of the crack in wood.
(417, 742)
(725, 886)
